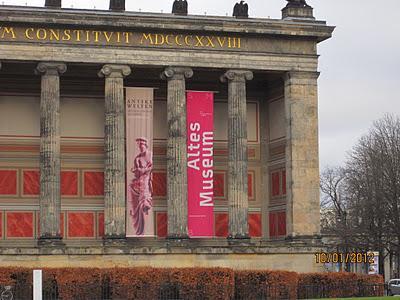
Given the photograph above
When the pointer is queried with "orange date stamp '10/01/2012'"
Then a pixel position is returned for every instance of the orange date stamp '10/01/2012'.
(353, 257)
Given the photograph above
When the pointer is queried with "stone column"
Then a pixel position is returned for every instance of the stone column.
(50, 167)
(177, 152)
(265, 178)
(237, 160)
(302, 163)
(114, 148)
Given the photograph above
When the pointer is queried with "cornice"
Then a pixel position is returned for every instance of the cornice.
(315, 30)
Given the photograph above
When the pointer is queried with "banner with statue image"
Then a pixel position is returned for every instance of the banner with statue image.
(139, 162)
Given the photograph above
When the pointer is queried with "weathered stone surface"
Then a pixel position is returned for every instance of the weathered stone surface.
(177, 151)
(50, 166)
(265, 157)
(302, 166)
(237, 159)
(305, 12)
(157, 57)
(114, 147)
(207, 24)
(300, 259)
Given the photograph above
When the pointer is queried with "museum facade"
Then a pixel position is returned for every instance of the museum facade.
(64, 80)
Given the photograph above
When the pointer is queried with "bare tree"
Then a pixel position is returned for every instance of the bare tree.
(364, 197)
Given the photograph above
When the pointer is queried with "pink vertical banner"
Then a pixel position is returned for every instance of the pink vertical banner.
(200, 148)
(139, 162)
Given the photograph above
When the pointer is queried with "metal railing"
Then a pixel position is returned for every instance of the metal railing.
(7, 292)
(173, 291)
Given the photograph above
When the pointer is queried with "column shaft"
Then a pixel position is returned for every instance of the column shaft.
(302, 162)
(237, 159)
(265, 178)
(114, 147)
(177, 152)
(50, 167)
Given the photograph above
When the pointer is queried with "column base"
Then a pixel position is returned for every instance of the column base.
(239, 240)
(311, 240)
(178, 240)
(177, 237)
(239, 237)
(116, 241)
(50, 242)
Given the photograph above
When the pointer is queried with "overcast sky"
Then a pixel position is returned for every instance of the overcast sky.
(360, 76)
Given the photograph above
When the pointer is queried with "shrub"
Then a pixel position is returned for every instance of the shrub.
(74, 283)
(189, 283)
(203, 283)
(268, 284)
(337, 285)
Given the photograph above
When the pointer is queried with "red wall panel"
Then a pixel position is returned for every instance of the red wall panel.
(93, 183)
(255, 225)
(19, 225)
(277, 223)
(273, 228)
(81, 224)
(159, 184)
(162, 224)
(8, 182)
(275, 184)
(282, 223)
(62, 224)
(219, 185)
(31, 185)
(221, 224)
(69, 183)
(101, 224)
(1, 225)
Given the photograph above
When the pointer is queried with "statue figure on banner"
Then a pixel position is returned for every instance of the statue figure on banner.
(140, 188)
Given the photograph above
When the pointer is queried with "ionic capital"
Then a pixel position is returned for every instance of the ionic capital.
(237, 75)
(51, 68)
(176, 73)
(115, 71)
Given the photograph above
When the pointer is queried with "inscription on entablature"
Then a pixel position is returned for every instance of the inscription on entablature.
(118, 38)
(43, 35)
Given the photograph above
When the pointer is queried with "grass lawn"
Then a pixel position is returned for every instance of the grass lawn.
(369, 298)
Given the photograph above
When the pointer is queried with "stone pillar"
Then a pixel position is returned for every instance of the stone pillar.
(302, 162)
(177, 152)
(265, 178)
(237, 160)
(50, 166)
(114, 149)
